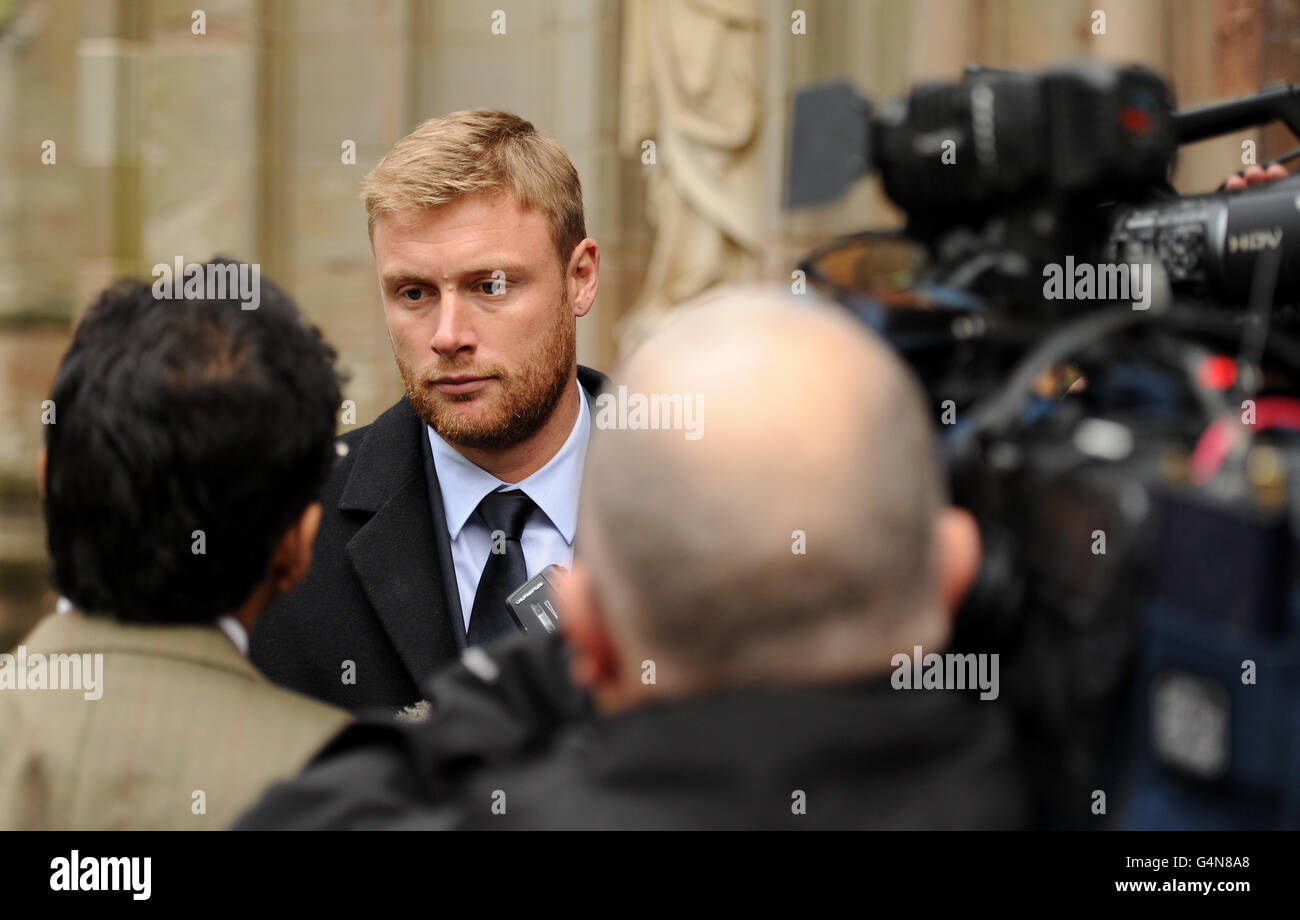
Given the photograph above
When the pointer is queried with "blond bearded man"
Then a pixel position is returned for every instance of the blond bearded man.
(469, 484)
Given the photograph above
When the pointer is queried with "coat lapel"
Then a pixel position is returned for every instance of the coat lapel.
(395, 553)
(442, 547)
(593, 383)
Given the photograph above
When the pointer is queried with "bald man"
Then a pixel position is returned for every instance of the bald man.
(742, 623)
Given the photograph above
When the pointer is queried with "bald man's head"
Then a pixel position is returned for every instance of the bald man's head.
(794, 539)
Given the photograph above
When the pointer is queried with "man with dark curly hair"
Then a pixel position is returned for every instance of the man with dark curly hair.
(186, 443)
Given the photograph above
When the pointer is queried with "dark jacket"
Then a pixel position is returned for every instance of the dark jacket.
(381, 594)
(523, 750)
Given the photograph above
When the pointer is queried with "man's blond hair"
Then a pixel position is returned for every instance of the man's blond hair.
(465, 153)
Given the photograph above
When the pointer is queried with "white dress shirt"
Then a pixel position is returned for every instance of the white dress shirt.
(548, 533)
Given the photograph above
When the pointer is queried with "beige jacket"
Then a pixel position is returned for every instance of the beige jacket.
(185, 733)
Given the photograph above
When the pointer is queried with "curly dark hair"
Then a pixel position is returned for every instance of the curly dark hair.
(175, 416)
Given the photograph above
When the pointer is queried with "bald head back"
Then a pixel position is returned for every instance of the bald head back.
(791, 534)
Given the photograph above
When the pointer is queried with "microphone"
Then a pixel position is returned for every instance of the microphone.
(532, 605)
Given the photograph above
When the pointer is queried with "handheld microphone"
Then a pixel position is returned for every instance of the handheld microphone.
(532, 605)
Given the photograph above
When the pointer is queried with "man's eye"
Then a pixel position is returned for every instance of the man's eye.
(412, 294)
(493, 286)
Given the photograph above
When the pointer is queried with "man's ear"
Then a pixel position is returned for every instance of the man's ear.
(957, 544)
(583, 276)
(595, 660)
(40, 473)
(292, 556)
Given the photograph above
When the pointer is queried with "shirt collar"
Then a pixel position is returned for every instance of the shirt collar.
(236, 632)
(555, 487)
(233, 629)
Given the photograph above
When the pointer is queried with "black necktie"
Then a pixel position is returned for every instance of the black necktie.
(504, 513)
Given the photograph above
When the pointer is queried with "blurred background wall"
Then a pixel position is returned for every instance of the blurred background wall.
(136, 131)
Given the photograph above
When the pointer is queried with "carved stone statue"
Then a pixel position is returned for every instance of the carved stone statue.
(691, 106)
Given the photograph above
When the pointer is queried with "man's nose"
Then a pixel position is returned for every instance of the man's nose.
(455, 332)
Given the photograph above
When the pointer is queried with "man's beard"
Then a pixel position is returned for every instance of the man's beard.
(525, 400)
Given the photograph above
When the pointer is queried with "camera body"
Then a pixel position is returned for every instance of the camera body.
(1129, 464)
